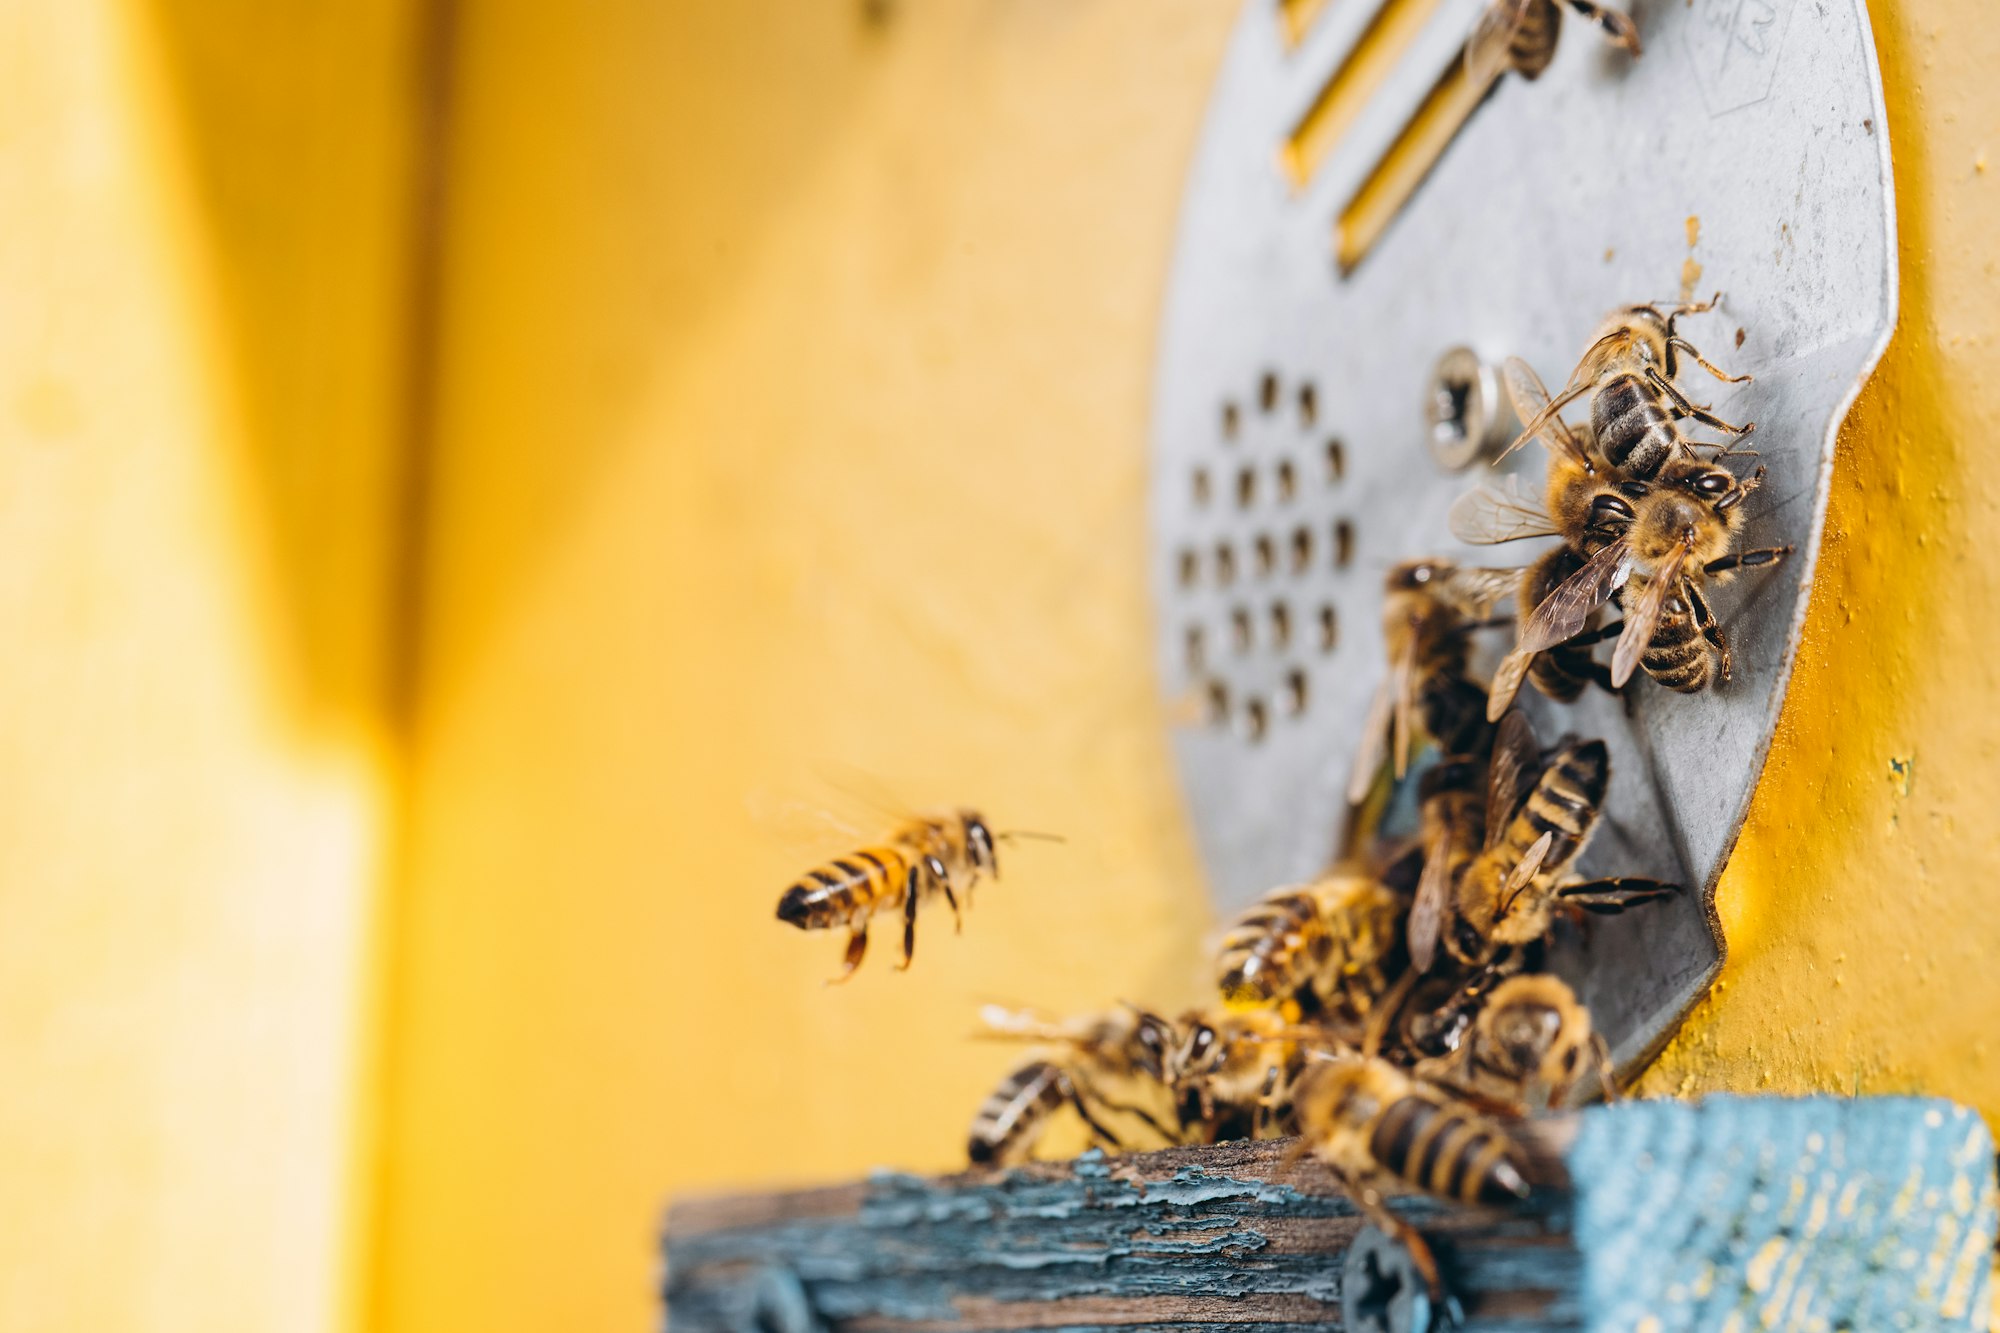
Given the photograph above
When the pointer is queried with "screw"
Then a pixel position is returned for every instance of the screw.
(1463, 412)
(1381, 1290)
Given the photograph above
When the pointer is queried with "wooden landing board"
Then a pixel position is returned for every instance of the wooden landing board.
(1742, 1213)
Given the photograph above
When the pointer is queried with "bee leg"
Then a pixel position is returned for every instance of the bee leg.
(1704, 619)
(857, 945)
(1607, 1072)
(957, 921)
(1764, 555)
(1260, 1123)
(1098, 1132)
(1369, 1200)
(1688, 411)
(1609, 897)
(1618, 28)
(910, 887)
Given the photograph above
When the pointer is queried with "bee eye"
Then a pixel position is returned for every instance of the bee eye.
(1713, 483)
(1610, 504)
(1635, 489)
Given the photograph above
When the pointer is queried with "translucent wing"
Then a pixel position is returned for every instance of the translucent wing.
(1374, 744)
(1516, 762)
(1487, 55)
(1503, 513)
(1524, 872)
(1507, 679)
(807, 829)
(1473, 591)
(1433, 891)
(1540, 416)
(1644, 619)
(999, 1022)
(1566, 612)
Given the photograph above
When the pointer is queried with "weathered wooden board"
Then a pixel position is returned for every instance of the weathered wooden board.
(1733, 1213)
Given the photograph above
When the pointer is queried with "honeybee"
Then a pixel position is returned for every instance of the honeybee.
(1127, 1048)
(1629, 370)
(1528, 1047)
(1507, 896)
(1372, 1124)
(1318, 947)
(1582, 504)
(928, 856)
(1451, 815)
(1676, 529)
(1673, 536)
(1521, 35)
(1233, 1073)
(1430, 607)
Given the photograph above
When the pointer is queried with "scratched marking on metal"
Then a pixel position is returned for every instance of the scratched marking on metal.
(1558, 200)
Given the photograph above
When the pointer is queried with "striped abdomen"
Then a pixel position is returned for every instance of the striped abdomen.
(1634, 429)
(1448, 1151)
(1564, 802)
(1533, 44)
(847, 891)
(1679, 656)
(1011, 1118)
(1273, 949)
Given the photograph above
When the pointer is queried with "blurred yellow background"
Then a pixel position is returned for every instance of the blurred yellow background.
(470, 470)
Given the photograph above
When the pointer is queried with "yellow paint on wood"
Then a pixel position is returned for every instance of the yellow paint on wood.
(201, 241)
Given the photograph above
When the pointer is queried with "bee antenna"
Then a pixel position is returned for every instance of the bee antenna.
(1011, 834)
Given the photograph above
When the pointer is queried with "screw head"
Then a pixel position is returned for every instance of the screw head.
(1381, 1290)
(1465, 416)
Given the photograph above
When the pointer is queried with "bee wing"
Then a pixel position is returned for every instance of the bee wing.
(1507, 680)
(1486, 50)
(999, 1022)
(1517, 757)
(1539, 414)
(1427, 908)
(1374, 744)
(1566, 612)
(1474, 590)
(1525, 870)
(803, 827)
(1644, 619)
(1490, 515)
(1403, 680)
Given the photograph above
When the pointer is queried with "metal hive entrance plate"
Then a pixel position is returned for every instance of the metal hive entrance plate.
(1745, 151)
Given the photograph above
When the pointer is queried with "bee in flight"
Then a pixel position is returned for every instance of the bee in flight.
(1373, 1125)
(928, 856)
(1530, 1044)
(1314, 948)
(1430, 608)
(1521, 35)
(1127, 1049)
(1636, 408)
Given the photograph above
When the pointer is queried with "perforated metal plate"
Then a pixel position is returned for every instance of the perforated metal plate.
(1291, 464)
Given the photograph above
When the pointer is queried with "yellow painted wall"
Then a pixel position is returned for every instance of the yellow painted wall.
(793, 421)
(202, 236)
(789, 425)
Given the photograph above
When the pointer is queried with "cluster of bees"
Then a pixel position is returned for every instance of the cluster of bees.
(1394, 1014)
